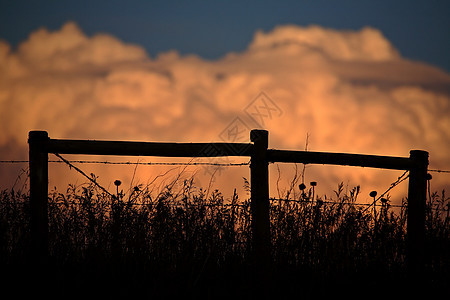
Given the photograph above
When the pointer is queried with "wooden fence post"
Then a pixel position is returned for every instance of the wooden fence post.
(260, 201)
(417, 193)
(38, 160)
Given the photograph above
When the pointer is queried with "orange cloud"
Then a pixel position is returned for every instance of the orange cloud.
(351, 91)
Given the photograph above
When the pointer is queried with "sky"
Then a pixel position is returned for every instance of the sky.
(419, 29)
(368, 77)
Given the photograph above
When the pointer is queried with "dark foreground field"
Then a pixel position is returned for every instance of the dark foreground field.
(191, 243)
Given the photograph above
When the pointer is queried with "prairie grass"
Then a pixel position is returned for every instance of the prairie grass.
(187, 241)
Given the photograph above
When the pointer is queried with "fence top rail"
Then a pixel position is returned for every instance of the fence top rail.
(130, 148)
(171, 149)
(342, 159)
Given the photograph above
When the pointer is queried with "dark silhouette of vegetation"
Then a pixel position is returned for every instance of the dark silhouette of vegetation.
(189, 242)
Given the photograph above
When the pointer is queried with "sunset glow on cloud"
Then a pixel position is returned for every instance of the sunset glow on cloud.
(350, 91)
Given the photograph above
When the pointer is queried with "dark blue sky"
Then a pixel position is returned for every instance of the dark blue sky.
(419, 29)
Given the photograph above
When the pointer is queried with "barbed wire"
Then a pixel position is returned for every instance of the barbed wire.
(329, 202)
(13, 161)
(169, 204)
(400, 179)
(90, 178)
(439, 171)
(94, 181)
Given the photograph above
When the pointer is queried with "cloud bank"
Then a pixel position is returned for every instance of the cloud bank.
(350, 91)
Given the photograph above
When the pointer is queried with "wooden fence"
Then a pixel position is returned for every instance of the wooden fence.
(40, 145)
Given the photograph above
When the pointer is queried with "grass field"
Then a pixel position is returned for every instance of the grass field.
(194, 242)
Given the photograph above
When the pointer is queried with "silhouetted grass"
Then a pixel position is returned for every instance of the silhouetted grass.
(189, 242)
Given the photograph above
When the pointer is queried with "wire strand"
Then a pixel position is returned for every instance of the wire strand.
(439, 171)
(394, 184)
(82, 173)
(330, 202)
(13, 161)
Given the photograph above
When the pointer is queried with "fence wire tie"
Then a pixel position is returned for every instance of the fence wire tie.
(82, 173)
(394, 184)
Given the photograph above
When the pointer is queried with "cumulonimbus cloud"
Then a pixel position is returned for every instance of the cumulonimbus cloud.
(349, 91)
